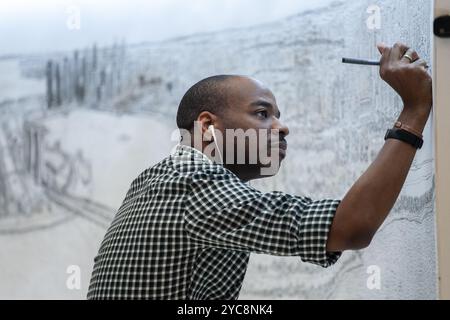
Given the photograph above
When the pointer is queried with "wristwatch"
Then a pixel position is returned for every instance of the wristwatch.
(405, 136)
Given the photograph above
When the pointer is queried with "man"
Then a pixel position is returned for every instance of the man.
(188, 225)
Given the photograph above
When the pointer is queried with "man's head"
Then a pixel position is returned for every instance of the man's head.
(239, 104)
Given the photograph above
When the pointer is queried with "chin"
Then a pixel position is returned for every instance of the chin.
(270, 170)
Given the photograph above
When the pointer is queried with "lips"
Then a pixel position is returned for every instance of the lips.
(282, 147)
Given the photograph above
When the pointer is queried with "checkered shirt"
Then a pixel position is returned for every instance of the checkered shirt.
(187, 226)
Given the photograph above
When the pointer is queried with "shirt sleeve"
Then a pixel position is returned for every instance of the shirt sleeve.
(223, 212)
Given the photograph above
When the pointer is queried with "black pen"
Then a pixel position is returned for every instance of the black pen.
(361, 61)
(366, 62)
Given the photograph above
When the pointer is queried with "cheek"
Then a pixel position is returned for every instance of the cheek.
(261, 128)
(247, 121)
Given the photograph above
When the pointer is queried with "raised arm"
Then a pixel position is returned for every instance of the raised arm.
(371, 198)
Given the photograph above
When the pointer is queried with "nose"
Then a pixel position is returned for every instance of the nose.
(281, 127)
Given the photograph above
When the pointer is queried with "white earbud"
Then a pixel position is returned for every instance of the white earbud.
(211, 131)
(208, 136)
(213, 134)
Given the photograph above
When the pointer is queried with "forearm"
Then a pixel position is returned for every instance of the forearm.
(371, 198)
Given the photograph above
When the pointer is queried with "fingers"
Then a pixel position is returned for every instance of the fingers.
(398, 50)
(396, 54)
(421, 62)
(381, 47)
(412, 54)
(401, 52)
(385, 52)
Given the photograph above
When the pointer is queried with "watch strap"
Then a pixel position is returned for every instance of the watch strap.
(406, 136)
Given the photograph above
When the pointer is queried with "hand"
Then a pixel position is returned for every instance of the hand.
(409, 79)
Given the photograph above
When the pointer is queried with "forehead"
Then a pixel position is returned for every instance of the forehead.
(243, 91)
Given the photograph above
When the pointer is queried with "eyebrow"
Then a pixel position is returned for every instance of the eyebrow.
(265, 104)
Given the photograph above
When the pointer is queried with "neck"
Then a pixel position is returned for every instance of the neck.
(244, 172)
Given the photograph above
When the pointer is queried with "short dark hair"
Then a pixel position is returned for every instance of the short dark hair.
(206, 95)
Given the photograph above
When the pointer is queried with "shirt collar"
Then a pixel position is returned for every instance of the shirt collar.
(184, 151)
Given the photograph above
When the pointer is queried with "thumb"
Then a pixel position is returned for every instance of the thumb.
(381, 47)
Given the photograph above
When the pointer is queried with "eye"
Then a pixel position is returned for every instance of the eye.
(262, 113)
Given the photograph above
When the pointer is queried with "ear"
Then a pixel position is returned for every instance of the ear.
(206, 119)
